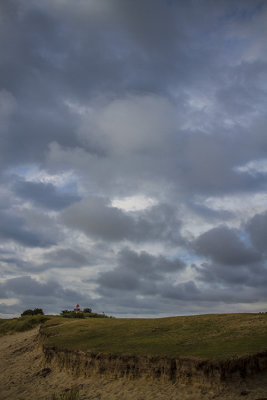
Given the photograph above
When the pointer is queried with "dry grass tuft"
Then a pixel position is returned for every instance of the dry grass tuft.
(67, 394)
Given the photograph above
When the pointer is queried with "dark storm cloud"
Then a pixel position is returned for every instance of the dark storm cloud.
(96, 218)
(257, 228)
(15, 228)
(211, 289)
(65, 259)
(119, 279)
(182, 291)
(235, 265)
(235, 261)
(3, 292)
(26, 286)
(223, 245)
(233, 293)
(61, 259)
(185, 162)
(44, 194)
(207, 163)
(148, 265)
(118, 50)
(251, 275)
(138, 271)
(34, 84)
(114, 39)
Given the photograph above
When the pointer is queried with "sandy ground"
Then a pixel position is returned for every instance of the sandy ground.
(25, 377)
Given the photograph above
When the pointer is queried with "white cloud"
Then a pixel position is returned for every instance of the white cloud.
(133, 203)
(243, 206)
(254, 167)
(9, 302)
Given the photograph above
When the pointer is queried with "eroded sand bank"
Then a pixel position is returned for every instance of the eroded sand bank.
(24, 376)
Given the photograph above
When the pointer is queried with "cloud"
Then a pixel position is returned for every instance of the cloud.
(247, 276)
(15, 228)
(66, 258)
(44, 194)
(27, 286)
(257, 228)
(96, 218)
(182, 291)
(224, 245)
(7, 108)
(138, 271)
(216, 294)
(100, 103)
(130, 124)
(3, 292)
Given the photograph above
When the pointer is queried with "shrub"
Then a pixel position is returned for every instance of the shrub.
(87, 310)
(27, 312)
(78, 315)
(36, 311)
(72, 314)
(81, 314)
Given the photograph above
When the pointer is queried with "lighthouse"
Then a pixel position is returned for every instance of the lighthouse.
(77, 308)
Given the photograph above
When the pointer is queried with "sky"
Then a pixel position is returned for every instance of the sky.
(133, 156)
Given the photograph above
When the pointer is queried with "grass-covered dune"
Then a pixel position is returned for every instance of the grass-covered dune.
(204, 348)
(9, 326)
(217, 336)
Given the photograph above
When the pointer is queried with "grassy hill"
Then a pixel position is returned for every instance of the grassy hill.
(9, 326)
(217, 336)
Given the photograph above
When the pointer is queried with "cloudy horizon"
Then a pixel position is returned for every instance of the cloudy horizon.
(133, 156)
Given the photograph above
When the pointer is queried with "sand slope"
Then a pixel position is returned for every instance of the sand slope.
(25, 377)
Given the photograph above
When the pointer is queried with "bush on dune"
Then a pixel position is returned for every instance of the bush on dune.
(72, 314)
(36, 311)
(86, 313)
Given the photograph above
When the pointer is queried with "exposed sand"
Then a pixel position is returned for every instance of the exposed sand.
(25, 377)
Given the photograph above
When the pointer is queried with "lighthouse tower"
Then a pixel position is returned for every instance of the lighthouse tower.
(77, 308)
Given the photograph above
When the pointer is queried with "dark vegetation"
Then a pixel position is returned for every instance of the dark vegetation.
(87, 310)
(86, 313)
(81, 314)
(36, 311)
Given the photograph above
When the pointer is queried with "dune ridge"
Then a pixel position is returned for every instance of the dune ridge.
(27, 373)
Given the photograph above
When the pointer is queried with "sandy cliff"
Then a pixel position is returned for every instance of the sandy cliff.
(31, 371)
(183, 370)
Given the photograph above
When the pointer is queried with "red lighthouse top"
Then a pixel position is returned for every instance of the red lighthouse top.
(77, 308)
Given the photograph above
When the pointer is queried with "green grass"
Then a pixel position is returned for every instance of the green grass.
(217, 336)
(8, 326)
